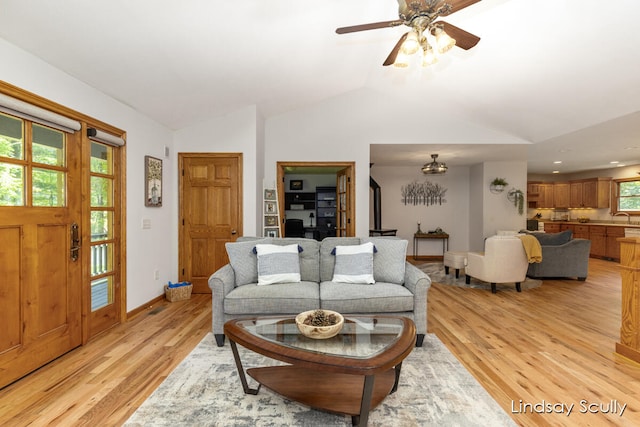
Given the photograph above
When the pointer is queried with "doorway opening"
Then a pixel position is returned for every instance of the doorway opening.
(318, 194)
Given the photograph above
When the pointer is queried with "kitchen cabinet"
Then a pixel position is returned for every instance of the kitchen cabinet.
(561, 196)
(598, 237)
(551, 227)
(590, 193)
(613, 246)
(539, 195)
(581, 232)
(546, 195)
(604, 241)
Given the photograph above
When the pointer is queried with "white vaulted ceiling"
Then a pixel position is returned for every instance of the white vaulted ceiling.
(562, 74)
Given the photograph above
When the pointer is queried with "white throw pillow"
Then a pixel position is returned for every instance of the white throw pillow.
(278, 264)
(354, 264)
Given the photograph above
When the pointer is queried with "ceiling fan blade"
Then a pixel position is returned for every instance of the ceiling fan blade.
(464, 40)
(371, 26)
(457, 5)
(394, 53)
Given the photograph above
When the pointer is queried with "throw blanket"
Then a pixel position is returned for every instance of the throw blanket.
(532, 248)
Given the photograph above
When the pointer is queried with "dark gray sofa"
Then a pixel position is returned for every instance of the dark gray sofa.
(562, 256)
(400, 288)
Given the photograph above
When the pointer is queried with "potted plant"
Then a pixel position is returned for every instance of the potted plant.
(498, 185)
(517, 197)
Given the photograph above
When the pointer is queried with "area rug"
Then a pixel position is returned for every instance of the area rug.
(205, 390)
(435, 270)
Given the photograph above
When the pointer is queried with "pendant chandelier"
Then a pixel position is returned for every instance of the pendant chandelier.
(435, 167)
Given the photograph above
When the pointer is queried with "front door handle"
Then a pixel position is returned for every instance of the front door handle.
(75, 242)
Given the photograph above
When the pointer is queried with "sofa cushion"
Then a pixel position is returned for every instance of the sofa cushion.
(354, 264)
(278, 264)
(389, 260)
(362, 298)
(554, 239)
(327, 260)
(243, 260)
(279, 298)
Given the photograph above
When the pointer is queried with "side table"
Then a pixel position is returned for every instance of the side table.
(430, 236)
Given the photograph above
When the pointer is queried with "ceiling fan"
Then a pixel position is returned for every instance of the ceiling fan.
(420, 16)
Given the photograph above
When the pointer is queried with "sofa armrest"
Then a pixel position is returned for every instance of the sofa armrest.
(418, 282)
(221, 283)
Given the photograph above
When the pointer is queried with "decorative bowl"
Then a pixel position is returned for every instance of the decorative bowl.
(319, 332)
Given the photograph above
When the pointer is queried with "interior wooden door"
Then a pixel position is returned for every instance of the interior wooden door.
(345, 224)
(40, 276)
(210, 213)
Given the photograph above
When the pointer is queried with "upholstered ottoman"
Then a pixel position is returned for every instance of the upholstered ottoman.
(455, 260)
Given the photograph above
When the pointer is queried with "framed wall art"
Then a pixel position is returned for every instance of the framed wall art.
(270, 220)
(269, 194)
(270, 207)
(295, 184)
(152, 181)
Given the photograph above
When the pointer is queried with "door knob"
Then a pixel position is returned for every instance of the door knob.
(233, 232)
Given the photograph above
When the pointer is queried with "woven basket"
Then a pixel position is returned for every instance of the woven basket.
(177, 294)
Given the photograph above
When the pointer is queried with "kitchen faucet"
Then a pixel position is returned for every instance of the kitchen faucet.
(624, 213)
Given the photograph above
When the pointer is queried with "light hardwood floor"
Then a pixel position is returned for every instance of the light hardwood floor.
(554, 344)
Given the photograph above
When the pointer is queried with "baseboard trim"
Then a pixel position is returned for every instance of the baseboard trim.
(144, 307)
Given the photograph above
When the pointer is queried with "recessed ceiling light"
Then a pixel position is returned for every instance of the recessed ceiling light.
(557, 162)
(556, 172)
(630, 148)
(620, 165)
(614, 162)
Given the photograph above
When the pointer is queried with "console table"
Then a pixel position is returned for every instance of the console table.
(430, 236)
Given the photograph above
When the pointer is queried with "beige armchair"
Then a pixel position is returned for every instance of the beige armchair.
(503, 261)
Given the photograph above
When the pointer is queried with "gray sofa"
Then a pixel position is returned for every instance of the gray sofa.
(399, 289)
(562, 256)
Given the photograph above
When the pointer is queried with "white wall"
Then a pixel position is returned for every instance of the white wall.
(452, 216)
(499, 212)
(147, 250)
(343, 128)
(237, 132)
(476, 208)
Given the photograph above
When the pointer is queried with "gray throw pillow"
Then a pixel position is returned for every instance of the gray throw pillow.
(554, 239)
(278, 264)
(389, 260)
(354, 264)
(243, 260)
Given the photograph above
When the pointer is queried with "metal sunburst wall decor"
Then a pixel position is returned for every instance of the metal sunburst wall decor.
(423, 193)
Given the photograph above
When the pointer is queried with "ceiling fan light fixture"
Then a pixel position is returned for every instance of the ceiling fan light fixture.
(402, 60)
(443, 40)
(410, 44)
(429, 56)
(435, 167)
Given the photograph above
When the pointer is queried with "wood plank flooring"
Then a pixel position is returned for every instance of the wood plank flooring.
(554, 345)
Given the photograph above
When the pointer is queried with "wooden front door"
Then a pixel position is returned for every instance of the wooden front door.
(210, 213)
(40, 277)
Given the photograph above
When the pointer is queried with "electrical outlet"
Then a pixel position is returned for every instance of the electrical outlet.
(156, 274)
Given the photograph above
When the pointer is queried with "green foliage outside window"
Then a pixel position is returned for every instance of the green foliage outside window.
(629, 196)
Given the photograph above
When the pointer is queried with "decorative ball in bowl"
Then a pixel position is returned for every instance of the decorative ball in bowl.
(319, 324)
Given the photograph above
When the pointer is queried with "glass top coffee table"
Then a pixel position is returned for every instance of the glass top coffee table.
(350, 373)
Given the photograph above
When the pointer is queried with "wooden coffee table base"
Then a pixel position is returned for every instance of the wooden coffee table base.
(331, 392)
